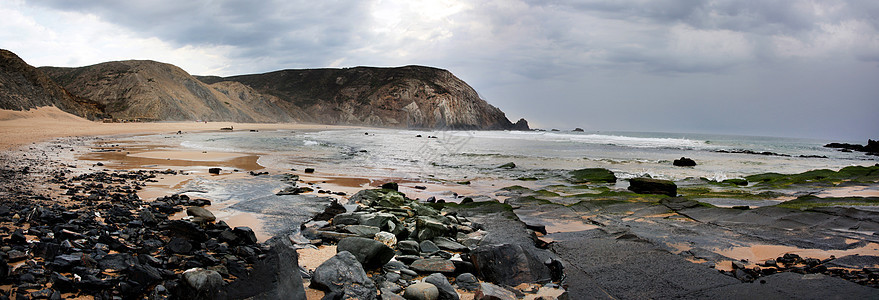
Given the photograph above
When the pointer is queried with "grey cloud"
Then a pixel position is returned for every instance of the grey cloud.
(315, 30)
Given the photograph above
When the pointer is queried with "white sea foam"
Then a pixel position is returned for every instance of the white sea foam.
(599, 139)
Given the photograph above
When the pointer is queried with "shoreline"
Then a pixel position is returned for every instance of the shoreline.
(691, 240)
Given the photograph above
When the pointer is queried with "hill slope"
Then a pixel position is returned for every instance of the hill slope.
(24, 87)
(149, 90)
(410, 97)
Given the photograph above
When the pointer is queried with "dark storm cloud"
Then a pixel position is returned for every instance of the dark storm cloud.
(299, 32)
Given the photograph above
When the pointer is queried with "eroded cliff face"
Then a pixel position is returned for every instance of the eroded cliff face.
(24, 87)
(404, 97)
(409, 97)
(149, 90)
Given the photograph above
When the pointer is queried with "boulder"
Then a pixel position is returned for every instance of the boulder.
(488, 291)
(387, 238)
(362, 230)
(446, 291)
(245, 235)
(467, 281)
(179, 246)
(428, 247)
(379, 197)
(214, 171)
(343, 275)
(509, 165)
(448, 244)
(421, 291)
(370, 253)
(428, 228)
(200, 214)
(592, 175)
(408, 247)
(202, 284)
(391, 186)
(509, 264)
(276, 276)
(653, 186)
(432, 265)
(684, 162)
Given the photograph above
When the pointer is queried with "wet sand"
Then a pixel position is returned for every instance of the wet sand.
(26, 127)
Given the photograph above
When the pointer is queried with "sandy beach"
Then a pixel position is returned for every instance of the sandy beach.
(26, 127)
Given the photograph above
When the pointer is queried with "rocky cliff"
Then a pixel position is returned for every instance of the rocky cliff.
(410, 97)
(149, 90)
(24, 87)
(403, 97)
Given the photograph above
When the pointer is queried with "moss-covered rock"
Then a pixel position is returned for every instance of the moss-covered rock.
(736, 181)
(592, 175)
(825, 176)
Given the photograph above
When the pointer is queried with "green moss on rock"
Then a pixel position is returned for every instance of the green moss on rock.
(592, 175)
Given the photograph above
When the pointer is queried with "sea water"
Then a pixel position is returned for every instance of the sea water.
(445, 159)
(466, 155)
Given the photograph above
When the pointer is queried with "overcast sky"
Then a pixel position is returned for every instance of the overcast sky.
(769, 68)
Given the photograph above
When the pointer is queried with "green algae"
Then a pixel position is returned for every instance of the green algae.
(809, 202)
(592, 175)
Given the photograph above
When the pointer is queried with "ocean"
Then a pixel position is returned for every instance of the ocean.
(472, 155)
(452, 164)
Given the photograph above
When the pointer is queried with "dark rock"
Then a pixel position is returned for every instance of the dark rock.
(408, 247)
(684, 162)
(592, 175)
(186, 230)
(522, 124)
(179, 246)
(363, 230)
(15, 255)
(144, 274)
(116, 262)
(370, 253)
(427, 228)
(17, 237)
(66, 262)
(578, 129)
(536, 228)
(509, 264)
(309, 170)
(448, 244)
(488, 291)
(421, 291)
(61, 283)
(509, 165)
(446, 291)
(467, 281)
(653, 186)
(4, 269)
(214, 171)
(428, 247)
(342, 274)
(245, 235)
(431, 265)
(391, 186)
(276, 276)
(331, 211)
(394, 266)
